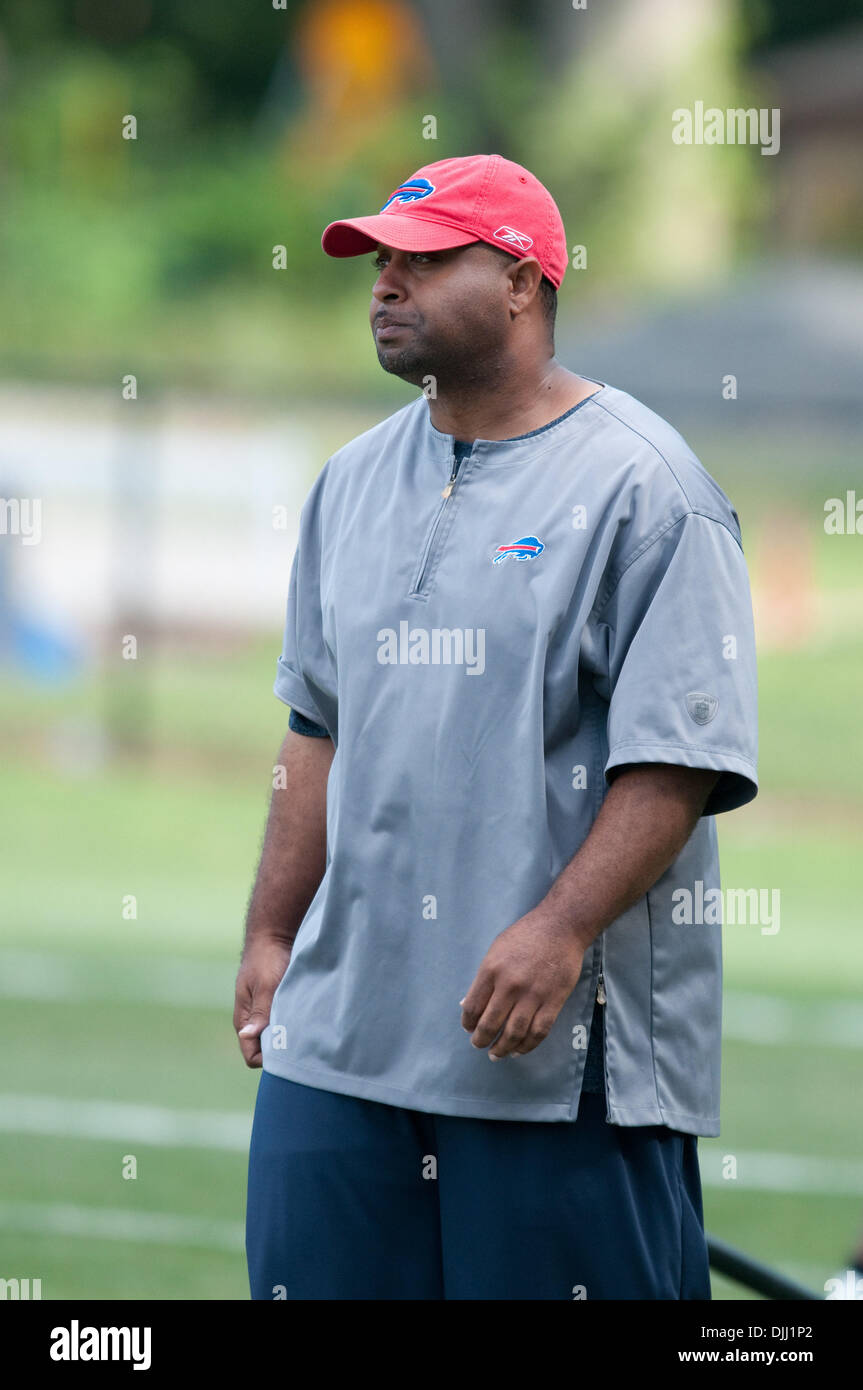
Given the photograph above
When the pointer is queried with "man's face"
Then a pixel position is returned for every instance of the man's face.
(443, 314)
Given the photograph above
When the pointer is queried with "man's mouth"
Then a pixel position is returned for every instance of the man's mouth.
(387, 328)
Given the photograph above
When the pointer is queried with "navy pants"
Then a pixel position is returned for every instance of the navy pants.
(353, 1199)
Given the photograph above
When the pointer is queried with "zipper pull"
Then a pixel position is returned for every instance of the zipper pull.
(449, 487)
(600, 990)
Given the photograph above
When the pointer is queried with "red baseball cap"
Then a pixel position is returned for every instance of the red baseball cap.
(480, 197)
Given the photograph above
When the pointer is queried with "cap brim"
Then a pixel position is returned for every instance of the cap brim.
(357, 235)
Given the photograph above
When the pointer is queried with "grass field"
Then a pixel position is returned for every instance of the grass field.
(116, 1033)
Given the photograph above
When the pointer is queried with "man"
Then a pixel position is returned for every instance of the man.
(520, 659)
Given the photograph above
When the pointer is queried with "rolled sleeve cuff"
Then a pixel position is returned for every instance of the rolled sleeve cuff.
(737, 785)
(291, 690)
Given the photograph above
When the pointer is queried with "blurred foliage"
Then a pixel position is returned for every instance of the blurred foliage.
(155, 255)
(774, 22)
(651, 213)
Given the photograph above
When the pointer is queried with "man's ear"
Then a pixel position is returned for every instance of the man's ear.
(524, 277)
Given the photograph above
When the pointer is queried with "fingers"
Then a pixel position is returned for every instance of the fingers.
(257, 981)
(525, 1040)
(475, 1002)
(510, 1021)
(250, 1020)
(495, 1017)
(249, 1037)
(513, 1028)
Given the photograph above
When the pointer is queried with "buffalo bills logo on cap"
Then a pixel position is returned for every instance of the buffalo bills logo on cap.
(410, 192)
(520, 240)
(525, 549)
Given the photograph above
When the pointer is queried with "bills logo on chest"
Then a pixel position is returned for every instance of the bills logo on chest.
(526, 548)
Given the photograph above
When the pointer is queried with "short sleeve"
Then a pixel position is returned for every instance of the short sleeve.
(307, 727)
(304, 675)
(682, 678)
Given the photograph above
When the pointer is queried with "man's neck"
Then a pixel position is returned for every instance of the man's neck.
(516, 406)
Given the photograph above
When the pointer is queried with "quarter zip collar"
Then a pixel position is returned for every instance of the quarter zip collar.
(492, 452)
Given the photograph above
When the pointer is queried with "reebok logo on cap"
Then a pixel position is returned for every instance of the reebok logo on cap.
(519, 240)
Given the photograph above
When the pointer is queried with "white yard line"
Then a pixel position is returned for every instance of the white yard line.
(188, 1232)
(171, 980)
(769, 1020)
(113, 1223)
(125, 1123)
(782, 1172)
(778, 1022)
(228, 1131)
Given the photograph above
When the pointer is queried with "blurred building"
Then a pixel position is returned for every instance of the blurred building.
(818, 87)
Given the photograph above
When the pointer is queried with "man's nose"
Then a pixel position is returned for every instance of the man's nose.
(388, 286)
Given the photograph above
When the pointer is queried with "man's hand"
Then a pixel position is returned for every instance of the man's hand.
(530, 970)
(263, 965)
(523, 982)
(293, 860)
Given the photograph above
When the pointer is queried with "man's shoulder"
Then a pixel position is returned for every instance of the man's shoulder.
(635, 432)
